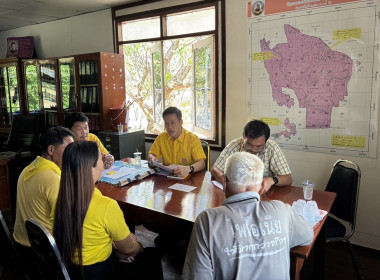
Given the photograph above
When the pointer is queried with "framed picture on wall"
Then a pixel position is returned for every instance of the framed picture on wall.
(21, 47)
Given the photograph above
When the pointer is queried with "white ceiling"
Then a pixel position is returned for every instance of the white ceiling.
(19, 13)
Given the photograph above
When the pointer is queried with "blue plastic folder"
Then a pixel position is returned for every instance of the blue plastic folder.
(122, 173)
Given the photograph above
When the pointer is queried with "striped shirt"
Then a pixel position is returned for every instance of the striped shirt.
(185, 150)
(274, 160)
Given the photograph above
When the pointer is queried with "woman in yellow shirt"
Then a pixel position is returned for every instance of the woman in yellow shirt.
(86, 223)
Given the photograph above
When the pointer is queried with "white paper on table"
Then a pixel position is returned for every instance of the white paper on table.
(182, 187)
(116, 172)
(217, 184)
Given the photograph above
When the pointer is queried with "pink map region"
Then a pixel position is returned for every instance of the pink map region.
(287, 134)
(318, 75)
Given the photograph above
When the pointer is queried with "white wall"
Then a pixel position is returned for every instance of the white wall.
(93, 32)
(81, 34)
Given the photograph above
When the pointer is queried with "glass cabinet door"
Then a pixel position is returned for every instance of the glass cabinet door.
(67, 84)
(33, 101)
(48, 85)
(48, 90)
(9, 93)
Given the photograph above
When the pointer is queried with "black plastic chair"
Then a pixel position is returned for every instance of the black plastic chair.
(21, 149)
(206, 149)
(345, 182)
(46, 253)
(9, 255)
(24, 132)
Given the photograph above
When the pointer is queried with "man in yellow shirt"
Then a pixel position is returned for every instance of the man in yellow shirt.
(77, 122)
(37, 190)
(38, 184)
(177, 145)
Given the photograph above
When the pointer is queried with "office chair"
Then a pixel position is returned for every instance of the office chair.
(47, 256)
(24, 133)
(206, 149)
(9, 255)
(345, 182)
(21, 149)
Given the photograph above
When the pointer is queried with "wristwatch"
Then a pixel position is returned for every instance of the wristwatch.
(191, 168)
(275, 180)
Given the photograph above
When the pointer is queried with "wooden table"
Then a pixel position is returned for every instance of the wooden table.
(150, 202)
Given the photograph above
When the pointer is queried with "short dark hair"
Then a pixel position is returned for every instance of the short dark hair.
(255, 129)
(172, 110)
(72, 118)
(54, 136)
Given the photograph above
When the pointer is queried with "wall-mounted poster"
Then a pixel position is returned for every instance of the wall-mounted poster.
(21, 47)
(313, 73)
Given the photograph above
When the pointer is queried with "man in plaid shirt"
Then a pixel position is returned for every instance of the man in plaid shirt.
(255, 140)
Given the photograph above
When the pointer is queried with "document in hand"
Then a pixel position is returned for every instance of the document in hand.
(169, 170)
(161, 166)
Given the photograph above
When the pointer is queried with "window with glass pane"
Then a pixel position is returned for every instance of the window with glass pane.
(66, 71)
(157, 84)
(33, 99)
(191, 22)
(4, 96)
(48, 86)
(164, 73)
(203, 84)
(141, 29)
(9, 94)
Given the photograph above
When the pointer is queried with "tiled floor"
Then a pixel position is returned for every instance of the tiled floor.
(171, 270)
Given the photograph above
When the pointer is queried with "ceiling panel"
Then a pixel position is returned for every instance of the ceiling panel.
(19, 13)
(50, 10)
(16, 4)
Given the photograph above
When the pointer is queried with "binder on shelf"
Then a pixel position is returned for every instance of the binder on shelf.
(97, 104)
(82, 72)
(92, 69)
(88, 72)
(95, 74)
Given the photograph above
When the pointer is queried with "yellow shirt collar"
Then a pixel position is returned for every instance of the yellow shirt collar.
(38, 165)
(181, 136)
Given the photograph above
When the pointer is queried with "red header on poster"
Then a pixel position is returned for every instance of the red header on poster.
(280, 6)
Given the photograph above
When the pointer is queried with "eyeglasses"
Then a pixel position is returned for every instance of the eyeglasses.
(253, 148)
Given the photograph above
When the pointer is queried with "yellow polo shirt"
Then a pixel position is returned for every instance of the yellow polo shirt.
(37, 192)
(94, 138)
(104, 223)
(185, 150)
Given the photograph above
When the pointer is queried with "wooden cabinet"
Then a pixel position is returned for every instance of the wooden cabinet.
(5, 198)
(101, 85)
(89, 83)
(11, 91)
(123, 145)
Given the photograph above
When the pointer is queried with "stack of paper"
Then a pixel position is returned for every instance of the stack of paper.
(309, 210)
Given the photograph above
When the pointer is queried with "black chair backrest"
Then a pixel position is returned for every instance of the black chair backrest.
(9, 255)
(206, 149)
(47, 256)
(24, 132)
(345, 181)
